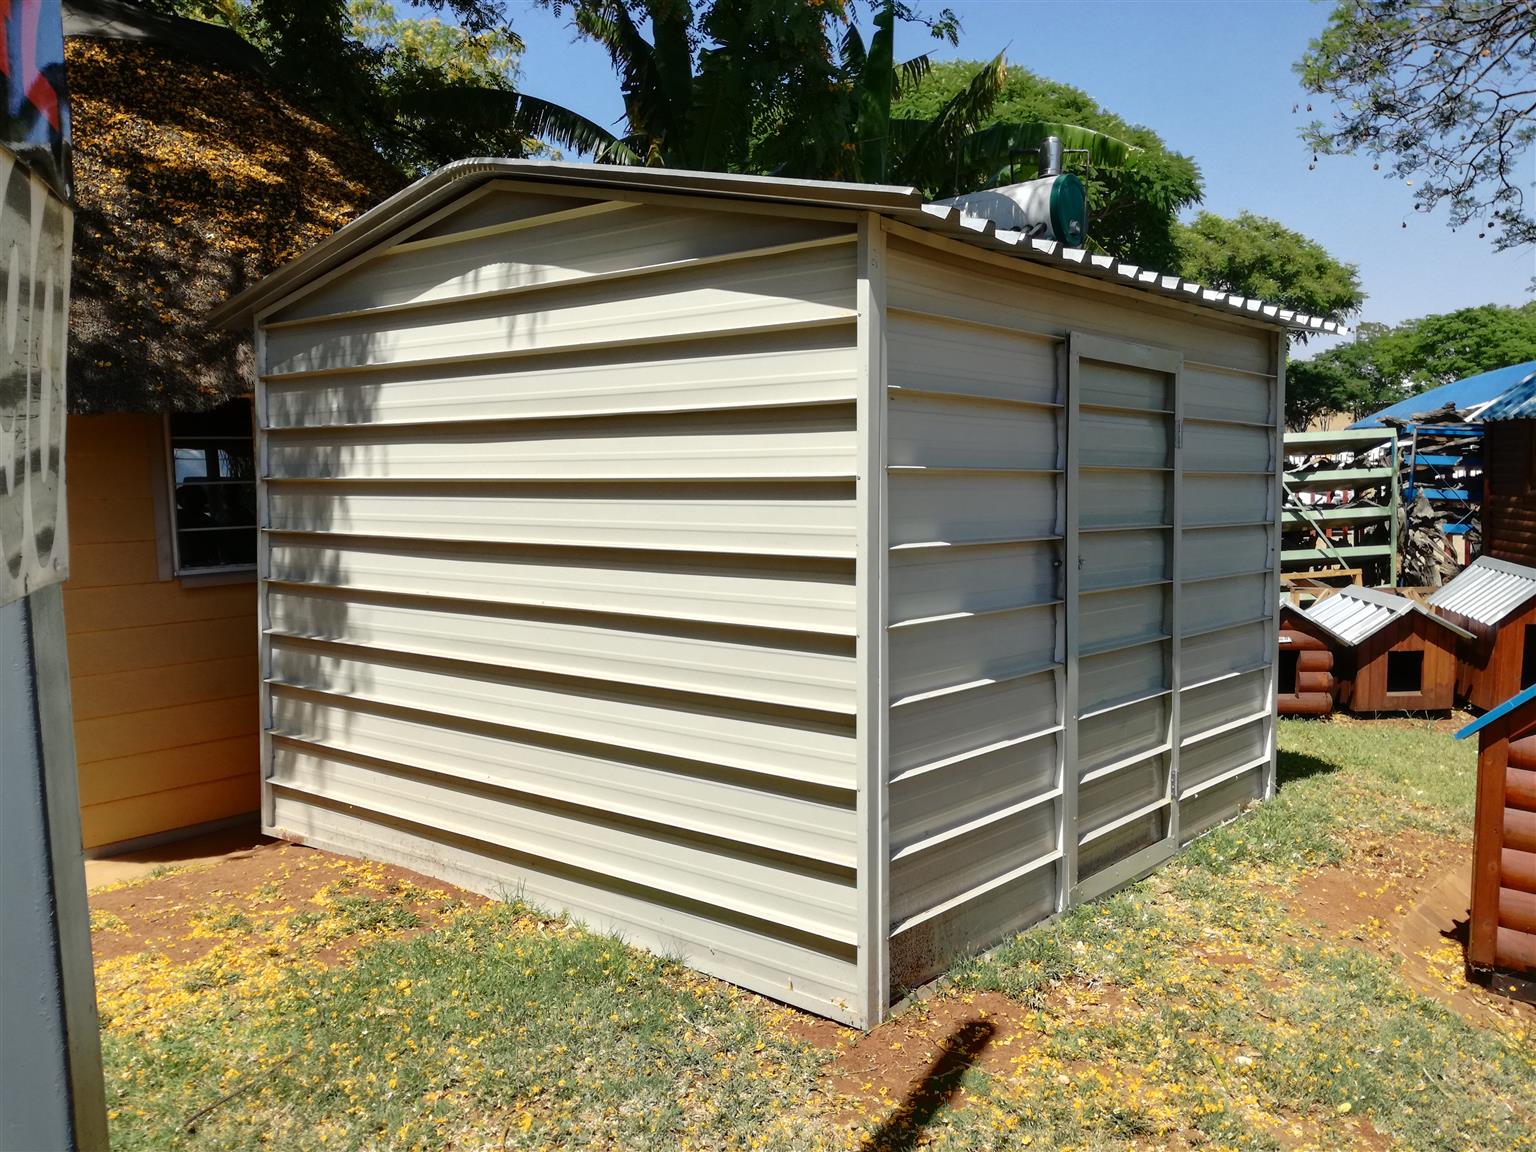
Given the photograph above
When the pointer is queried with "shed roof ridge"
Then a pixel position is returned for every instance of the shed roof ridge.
(902, 203)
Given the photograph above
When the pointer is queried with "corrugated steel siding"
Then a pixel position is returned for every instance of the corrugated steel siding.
(560, 551)
(978, 512)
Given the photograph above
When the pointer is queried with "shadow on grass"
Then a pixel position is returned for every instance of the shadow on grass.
(903, 1129)
(1294, 766)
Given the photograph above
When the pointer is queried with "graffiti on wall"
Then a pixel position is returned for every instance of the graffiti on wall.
(36, 227)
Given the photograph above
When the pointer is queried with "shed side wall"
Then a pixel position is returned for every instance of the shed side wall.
(561, 543)
(1509, 490)
(979, 478)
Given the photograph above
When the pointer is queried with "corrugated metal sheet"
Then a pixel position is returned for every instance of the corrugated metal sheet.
(903, 204)
(1353, 615)
(1487, 590)
(1519, 403)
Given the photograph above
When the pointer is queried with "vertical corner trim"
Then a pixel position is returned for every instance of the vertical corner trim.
(873, 647)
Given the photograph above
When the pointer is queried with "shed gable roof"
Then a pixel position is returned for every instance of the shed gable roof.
(1354, 615)
(1487, 590)
(897, 203)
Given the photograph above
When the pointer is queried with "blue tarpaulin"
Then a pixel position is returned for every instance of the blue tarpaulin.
(1464, 394)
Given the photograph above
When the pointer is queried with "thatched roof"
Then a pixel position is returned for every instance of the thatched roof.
(193, 179)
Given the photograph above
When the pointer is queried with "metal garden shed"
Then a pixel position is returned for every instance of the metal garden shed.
(799, 578)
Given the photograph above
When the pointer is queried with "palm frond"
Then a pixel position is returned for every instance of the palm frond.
(993, 149)
(930, 151)
(505, 115)
(910, 74)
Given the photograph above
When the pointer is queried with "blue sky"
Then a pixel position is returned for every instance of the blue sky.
(1214, 79)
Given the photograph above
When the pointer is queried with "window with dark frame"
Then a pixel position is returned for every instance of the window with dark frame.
(213, 489)
(1405, 673)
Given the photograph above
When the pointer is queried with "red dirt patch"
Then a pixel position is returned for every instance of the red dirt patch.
(916, 1060)
(176, 915)
(1407, 897)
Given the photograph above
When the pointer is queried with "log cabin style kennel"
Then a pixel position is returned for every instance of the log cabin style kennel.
(807, 581)
(1495, 601)
(1502, 931)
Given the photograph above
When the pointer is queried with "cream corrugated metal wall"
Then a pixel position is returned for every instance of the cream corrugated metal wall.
(1081, 590)
(789, 589)
(560, 572)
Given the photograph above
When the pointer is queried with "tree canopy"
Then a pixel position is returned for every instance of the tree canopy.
(1133, 205)
(1442, 91)
(1255, 256)
(1386, 364)
(420, 89)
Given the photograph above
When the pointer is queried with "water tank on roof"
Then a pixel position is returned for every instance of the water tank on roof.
(1050, 208)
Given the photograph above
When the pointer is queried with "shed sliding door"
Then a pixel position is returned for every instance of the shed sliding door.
(1120, 767)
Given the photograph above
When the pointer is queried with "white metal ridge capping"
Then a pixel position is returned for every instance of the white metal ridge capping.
(1487, 590)
(1353, 615)
(899, 203)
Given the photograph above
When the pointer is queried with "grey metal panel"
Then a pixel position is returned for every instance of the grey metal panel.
(1223, 702)
(1210, 447)
(957, 792)
(1210, 394)
(1123, 499)
(1118, 559)
(1122, 386)
(1214, 552)
(798, 287)
(1122, 617)
(947, 651)
(934, 354)
(927, 729)
(1116, 737)
(782, 890)
(983, 578)
(770, 668)
(926, 877)
(1240, 649)
(492, 207)
(943, 432)
(1123, 675)
(1210, 604)
(958, 508)
(1124, 440)
(1487, 590)
(809, 366)
(794, 594)
(795, 968)
(1212, 500)
(971, 922)
(810, 520)
(795, 443)
(1226, 753)
(511, 250)
(1131, 789)
(1140, 833)
(690, 794)
(1219, 803)
(772, 742)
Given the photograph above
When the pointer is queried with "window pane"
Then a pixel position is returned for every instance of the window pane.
(215, 505)
(191, 463)
(221, 548)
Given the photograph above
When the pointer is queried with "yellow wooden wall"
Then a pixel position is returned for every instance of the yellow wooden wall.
(164, 676)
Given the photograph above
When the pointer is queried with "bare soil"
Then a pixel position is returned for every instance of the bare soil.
(1407, 897)
(162, 914)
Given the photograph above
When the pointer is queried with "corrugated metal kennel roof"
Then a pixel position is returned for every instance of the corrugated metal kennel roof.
(1356, 614)
(1487, 590)
(904, 204)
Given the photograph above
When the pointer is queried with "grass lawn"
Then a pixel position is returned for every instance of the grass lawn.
(1256, 993)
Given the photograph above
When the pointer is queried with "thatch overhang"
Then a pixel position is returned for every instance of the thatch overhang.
(194, 178)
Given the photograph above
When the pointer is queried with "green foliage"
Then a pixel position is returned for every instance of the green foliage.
(1133, 198)
(1386, 364)
(420, 89)
(1443, 91)
(1255, 256)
